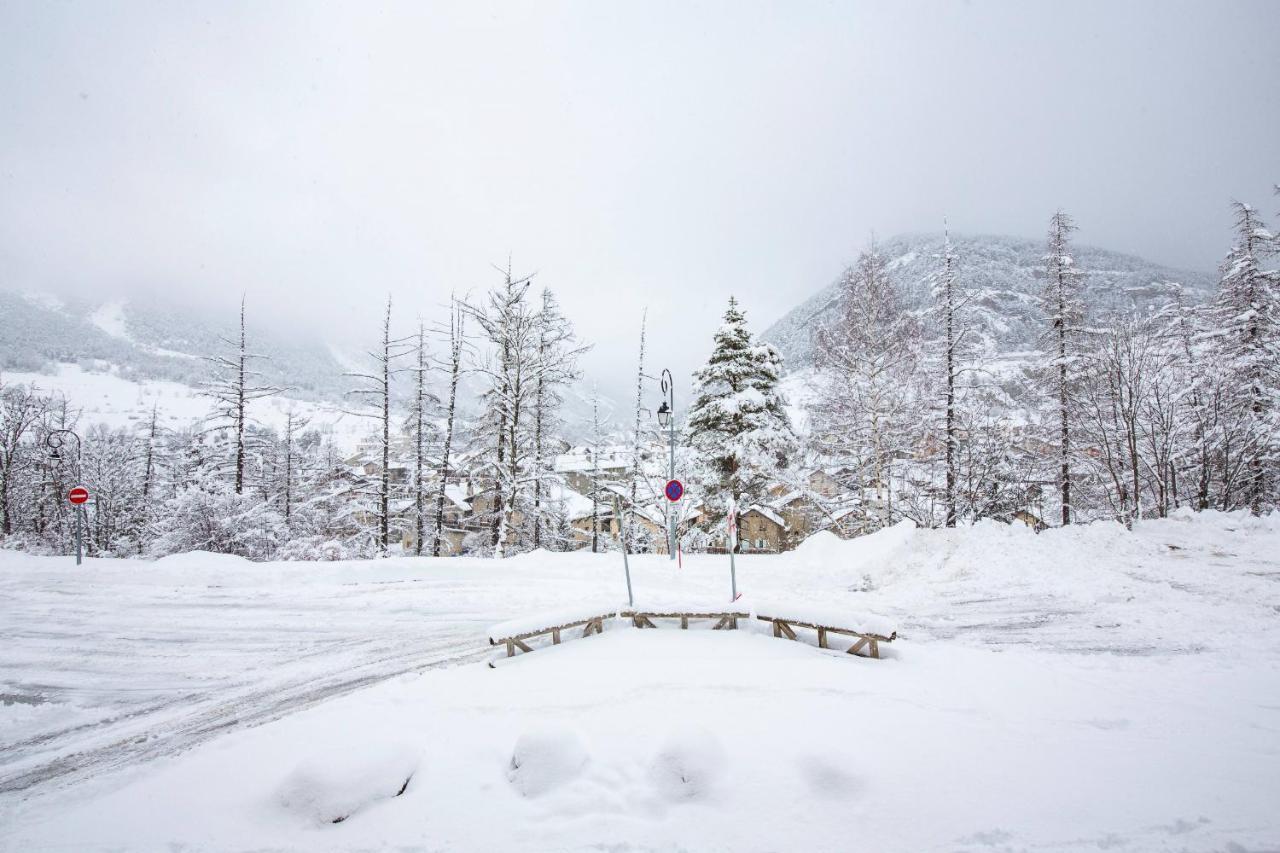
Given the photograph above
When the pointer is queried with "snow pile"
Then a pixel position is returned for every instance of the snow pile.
(688, 765)
(331, 786)
(545, 759)
(825, 550)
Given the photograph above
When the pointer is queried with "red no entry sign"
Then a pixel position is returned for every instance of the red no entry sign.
(78, 495)
(674, 490)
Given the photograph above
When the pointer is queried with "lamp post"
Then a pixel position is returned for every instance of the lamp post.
(54, 441)
(667, 420)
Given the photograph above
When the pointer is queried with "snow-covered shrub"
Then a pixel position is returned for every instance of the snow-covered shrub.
(210, 516)
(688, 764)
(331, 786)
(317, 549)
(544, 759)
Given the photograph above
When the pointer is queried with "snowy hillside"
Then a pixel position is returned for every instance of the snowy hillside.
(1047, 692)
(117, 357)
(151, 339)
(1003, 276)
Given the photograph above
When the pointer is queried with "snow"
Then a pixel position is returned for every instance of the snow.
(546, 758)
(110, 399)
(553, 618)
(1084, 688)
(828, 617)
(344, 777)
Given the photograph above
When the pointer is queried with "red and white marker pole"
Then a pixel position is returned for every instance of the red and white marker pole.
(77, 497)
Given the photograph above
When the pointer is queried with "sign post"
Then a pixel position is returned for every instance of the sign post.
(77, 497)
(674, 490)
(733, 546)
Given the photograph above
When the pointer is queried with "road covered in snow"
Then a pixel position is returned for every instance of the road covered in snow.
(1087, 688)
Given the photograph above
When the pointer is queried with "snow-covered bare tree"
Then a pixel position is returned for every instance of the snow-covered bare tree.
(867, 414)
(422, 430)
(637, 441)
(556, 365)
(506, 322)
(950, 300)
(456, 344)
(293, 425)
(233, 385)
(375, 390)
(1064, 313)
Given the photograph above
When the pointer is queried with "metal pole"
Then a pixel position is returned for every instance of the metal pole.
(79, 517)
(733, 541)
(669, 387)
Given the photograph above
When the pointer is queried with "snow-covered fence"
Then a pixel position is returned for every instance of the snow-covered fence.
(515, 633)
(725, 619)
(869, 629)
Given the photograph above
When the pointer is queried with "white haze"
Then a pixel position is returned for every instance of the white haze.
(664, 155)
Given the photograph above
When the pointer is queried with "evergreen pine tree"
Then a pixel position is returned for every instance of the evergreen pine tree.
(738, 421)
(1248, 337)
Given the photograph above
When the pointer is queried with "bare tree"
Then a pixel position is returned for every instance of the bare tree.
(377, 388)
(868, 357)
(456, 345)
(636, 437)
(233, 385)
(422, 430)
(1061, 301)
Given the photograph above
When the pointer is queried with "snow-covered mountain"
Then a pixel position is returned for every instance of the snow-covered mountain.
(116, 358)
(1004, 276)
(151, 339)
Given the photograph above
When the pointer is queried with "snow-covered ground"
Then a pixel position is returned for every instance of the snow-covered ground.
(1084, 689)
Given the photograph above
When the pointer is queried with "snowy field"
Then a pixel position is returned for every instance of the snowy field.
(1085, 689)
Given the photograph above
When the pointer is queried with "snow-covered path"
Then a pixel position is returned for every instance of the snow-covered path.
(115, 668)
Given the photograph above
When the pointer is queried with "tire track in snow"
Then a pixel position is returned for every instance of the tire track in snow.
(261, 704)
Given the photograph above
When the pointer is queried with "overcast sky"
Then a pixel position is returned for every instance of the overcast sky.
(641, 154)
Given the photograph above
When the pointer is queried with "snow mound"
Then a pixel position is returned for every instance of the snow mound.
(203, 560)
(329, 787)
(546, 758)
(688, 765)
(825, 550)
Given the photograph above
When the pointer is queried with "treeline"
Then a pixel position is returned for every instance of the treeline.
(229, 484)
(1123, 417)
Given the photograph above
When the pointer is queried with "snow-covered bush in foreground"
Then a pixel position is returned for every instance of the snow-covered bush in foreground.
(687, 765)
(330, 787)
(212, 517)
(546, 758)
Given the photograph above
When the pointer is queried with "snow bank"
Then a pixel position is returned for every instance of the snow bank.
(203, 560)
(831, 617)
(825, 550)
(329, 787)
(688, 764)
(551, 618)
(546, 758)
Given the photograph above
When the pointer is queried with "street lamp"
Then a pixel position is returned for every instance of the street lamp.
(667, 420)
(54, 441)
